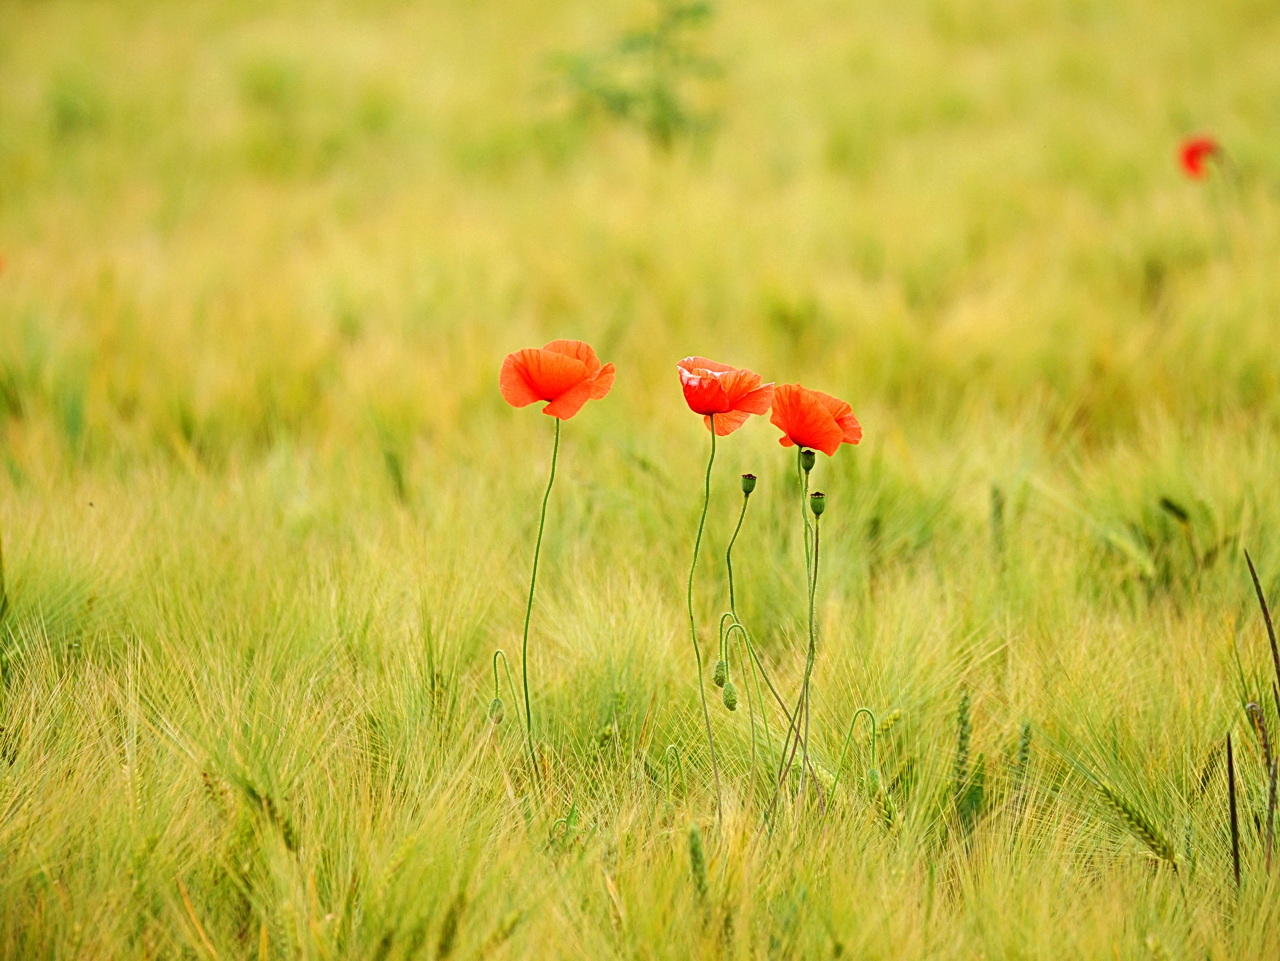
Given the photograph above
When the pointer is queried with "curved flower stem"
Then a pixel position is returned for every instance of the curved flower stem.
(806, 695)
(667, 755)
(728, 556)
(693, 625)
(528, 610)
(743, 647)
(511, 685)
(848, 738)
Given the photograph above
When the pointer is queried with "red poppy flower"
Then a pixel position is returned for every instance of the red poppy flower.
(810, 418)
(565, 372)
(1195, 154)
(731, 393)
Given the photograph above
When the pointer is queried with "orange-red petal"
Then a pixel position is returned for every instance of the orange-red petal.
(808, 418)
(578, 351)
(730, 393)
(727, 423)
(530, 375)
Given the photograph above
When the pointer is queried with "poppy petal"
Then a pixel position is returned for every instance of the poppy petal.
(602, 381)
(757, 401)
(805, 420)
(703, 392)
(571, 401)
(703, 363)
(728, 422)
(549, 374)
(513, 382)
(578, 350)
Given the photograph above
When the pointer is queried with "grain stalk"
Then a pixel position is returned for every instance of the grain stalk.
(1232, 813)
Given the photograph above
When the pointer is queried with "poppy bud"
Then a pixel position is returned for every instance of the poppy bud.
(721, 674)
(818, 502)
(873, 781)
(497, 711)
(748, 483)
(807, 459)
(730, 696)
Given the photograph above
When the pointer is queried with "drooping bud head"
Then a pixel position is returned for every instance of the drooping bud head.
(497, 710)
(730, 696)
(721, 674)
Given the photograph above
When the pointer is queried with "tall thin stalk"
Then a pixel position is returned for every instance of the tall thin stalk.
(806, 695)
(528, 610)
(693, 624)
(1235, 821)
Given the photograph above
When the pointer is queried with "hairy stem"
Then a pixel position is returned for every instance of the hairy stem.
(693, 624)
(528, 610)
(806, 691)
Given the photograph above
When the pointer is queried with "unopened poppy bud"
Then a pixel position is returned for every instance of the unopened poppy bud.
(818, 502)
(497, 710)
(730, 696)
(748, 483)
(721, 674)
(807, 459)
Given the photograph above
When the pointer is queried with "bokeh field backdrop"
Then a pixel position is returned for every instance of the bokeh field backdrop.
(265, 516)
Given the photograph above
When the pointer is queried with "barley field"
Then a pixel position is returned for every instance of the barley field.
(266, 516)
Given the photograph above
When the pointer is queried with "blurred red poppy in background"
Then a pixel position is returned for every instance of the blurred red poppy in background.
(565, 372)
(732, 394)
(810, 418)
(1195, 154)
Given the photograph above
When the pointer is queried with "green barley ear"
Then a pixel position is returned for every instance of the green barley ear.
(721, 674)
(697, 862)
(889, 722)
(1139, 823)
(730, 696)
(964, 730)
(1023, 756)
(4, 594)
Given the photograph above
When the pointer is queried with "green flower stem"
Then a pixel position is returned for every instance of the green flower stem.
(728, 555)
(806, 691)
(804, 514)
(511, 685)
(751, 713)
(528, 610)
(848, 739)
(693, 625)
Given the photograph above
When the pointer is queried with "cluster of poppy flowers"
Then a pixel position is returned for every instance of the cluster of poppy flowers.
(567, 373)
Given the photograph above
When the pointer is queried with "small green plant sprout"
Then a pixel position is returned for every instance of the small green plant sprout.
(654, 79)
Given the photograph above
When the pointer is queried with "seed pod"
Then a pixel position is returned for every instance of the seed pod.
(748, 483)
(721, 674)
(818, 503)
(730, 696)
(807, 459)
(497, 710)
